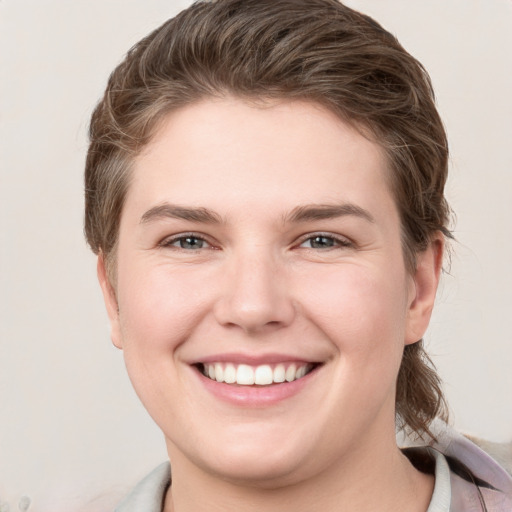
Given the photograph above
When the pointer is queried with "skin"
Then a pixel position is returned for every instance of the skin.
(255, 282)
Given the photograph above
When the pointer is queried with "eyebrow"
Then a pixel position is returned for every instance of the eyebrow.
(327, 211)
(166, 210)
(299, 214)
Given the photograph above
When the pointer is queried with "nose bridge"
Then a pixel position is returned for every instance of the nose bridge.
(256, 295)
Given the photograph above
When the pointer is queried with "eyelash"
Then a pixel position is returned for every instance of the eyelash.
(337, 242)
(169, 242)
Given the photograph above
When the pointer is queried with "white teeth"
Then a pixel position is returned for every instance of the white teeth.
(291, 372)
(279, 373)
(230, 374)
(219, 373)
(300, 372)
(263, 375)
(245, 375)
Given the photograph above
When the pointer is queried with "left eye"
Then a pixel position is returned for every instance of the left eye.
(323, 242)
(187, 242)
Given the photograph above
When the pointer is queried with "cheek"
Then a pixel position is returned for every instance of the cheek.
(362, 310)
(158, 311)
(159, 307)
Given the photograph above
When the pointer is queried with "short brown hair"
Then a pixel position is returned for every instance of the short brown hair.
(315, 50)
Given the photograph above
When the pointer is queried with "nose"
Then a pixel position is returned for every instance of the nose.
(256, 294)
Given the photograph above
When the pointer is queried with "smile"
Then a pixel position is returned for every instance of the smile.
(261, 375)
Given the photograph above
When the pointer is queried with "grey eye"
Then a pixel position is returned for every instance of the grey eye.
(321, 242)
(190, 242)
(325, 241)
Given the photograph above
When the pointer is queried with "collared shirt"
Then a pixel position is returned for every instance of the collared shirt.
(149, 494)
(452, 493)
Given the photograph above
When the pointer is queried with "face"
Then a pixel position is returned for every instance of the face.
(262, 301)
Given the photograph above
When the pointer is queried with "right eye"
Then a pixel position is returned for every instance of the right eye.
(189, 242)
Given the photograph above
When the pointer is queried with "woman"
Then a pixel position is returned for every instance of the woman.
(264, 190)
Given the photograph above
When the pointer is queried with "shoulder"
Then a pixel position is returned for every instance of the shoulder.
(477, 481)
(479, 475)
(500, 452)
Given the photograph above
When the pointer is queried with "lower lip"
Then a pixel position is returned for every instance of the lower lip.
(255, 396)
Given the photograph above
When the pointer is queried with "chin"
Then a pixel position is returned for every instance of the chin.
(261, 458)
(260, 470)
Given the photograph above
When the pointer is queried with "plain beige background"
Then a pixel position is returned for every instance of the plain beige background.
(72, 433)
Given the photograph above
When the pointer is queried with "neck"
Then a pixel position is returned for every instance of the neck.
(380, 478)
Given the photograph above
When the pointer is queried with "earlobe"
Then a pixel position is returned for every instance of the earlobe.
(423, 289)
(109, 296)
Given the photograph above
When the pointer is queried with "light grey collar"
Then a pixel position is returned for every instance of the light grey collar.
(148, 495)
(442, 495)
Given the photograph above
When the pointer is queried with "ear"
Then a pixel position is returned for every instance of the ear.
(423, 288)
(109, 296)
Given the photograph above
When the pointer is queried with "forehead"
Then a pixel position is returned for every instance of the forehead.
(286, 152)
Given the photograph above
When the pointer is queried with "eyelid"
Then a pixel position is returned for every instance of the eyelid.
(167, 241)
(342, 241)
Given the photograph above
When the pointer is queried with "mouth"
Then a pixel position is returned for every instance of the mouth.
(260, 375)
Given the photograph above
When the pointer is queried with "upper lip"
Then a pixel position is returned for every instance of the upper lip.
(253, 360)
